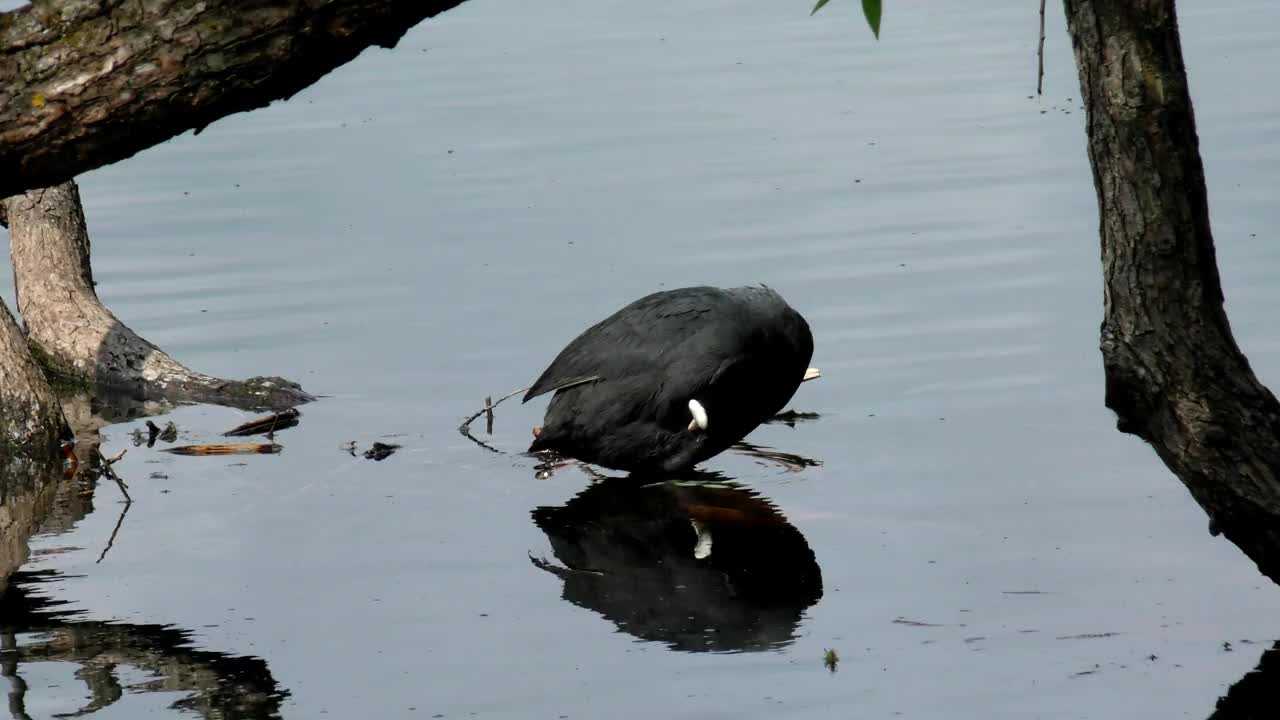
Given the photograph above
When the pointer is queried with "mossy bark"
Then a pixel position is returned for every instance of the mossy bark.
(31, 422)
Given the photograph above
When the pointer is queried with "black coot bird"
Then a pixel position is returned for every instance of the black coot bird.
(674, 378)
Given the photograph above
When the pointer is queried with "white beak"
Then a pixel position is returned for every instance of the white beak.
(699, 421)
(812, 374)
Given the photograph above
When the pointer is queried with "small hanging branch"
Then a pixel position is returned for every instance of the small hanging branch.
(1040, 54)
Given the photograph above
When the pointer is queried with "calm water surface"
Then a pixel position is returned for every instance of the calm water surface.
(429, 225)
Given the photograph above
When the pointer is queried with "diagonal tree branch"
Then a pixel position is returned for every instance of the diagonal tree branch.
(85, 83)
(1175, 376)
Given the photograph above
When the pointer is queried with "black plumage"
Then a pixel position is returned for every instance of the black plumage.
(622, 388)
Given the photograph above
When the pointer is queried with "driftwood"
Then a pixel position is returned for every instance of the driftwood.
(235, 449)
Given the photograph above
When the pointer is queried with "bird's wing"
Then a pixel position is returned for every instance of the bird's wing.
(622, 344)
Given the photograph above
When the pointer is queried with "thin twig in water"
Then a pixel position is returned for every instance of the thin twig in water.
(105, 469)
(112, 540)
(1040, 54)
(488, 409)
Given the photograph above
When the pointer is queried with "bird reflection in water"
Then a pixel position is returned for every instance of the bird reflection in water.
(700, 563)
(217, 685)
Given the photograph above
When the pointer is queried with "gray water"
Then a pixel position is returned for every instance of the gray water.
(429, 225)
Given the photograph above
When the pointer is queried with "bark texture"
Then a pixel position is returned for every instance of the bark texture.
(31, 423)
(77, 339)
(84, 83)
(1174, 374)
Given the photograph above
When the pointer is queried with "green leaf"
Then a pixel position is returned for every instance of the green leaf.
(818, 7)
(871, 9)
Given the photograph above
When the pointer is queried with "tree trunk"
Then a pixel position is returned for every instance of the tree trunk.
(86, 83)
(77, 339)
(1174, 374)
(31, 424)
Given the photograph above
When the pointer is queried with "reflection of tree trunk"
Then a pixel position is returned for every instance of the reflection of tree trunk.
(9, 671)
(78, 339)
(1174, 375)
(84, 84)
(25, 498)
(219, 685)
(38, 499)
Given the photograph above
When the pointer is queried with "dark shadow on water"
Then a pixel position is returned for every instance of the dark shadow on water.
(1256, 696)
(34, 629)
(702, 563)
(218, 685)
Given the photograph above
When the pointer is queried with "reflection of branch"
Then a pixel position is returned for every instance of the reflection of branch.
(217, 685)
(466, 433)
(789, 461)
(791, 417)
(112, 540)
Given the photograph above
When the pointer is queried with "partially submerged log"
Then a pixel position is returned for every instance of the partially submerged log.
(78, 340)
